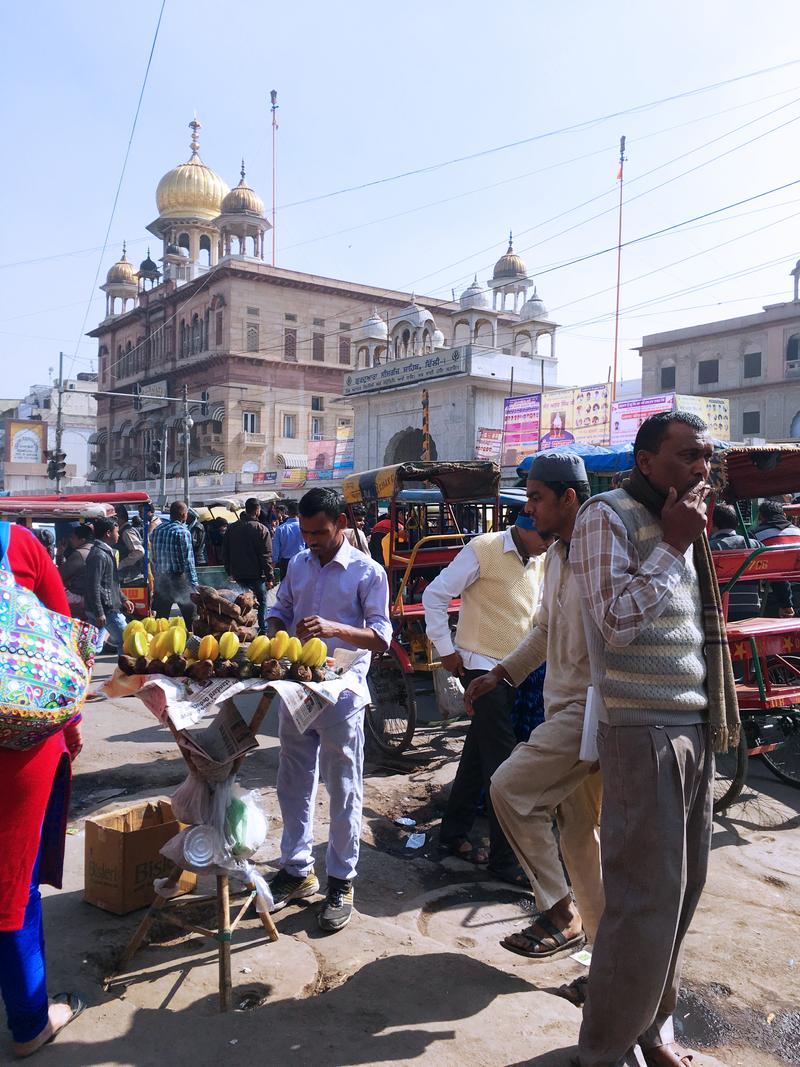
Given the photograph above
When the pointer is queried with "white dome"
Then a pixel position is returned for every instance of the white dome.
(373, 328)
(474, 296)
(438, 339)
(533, 308)
(413, 314)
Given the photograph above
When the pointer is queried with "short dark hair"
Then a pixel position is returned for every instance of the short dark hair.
(655, 428)
(724, 517)
(178, 510)
(82, 532)
(771, 510)
(252, 506)
(359, 511)
(122, 512)
(291, 506)
(582, 489)
(102, 526)
(327, 501)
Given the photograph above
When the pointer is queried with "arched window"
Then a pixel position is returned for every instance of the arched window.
(793, 348)
(183, 339)
(128, 359)
(205, 250)
(197, 332)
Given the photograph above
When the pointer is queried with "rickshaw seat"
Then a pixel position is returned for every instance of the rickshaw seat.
(761, 627)
(783, 696)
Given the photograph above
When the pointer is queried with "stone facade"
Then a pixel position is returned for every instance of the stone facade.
(754, 360)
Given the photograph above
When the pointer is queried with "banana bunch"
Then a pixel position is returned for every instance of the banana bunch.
(311, 654)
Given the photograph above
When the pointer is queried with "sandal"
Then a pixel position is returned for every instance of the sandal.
(76, 1005)
(552, 932)
(463, 849)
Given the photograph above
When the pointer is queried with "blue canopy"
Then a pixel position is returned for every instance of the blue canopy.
(597, 459)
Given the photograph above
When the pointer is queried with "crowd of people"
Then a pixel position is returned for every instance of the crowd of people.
(611, 600)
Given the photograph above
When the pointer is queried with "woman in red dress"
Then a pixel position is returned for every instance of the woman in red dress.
(34, 797)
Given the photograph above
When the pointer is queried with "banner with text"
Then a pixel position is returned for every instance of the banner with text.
(628, 415)
(715, 411)
(521, 416)
(344, 455)
(321, 455)
(489, 443)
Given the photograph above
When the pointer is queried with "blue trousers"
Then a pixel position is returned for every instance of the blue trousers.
(23, 977)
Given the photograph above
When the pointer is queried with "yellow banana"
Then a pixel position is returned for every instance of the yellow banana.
(150, 625)
(279, 644)
(293, 650)
(228, 645)
(323, 655)
(163, 624)
(178, 621)
(209, 648)
(132, 627)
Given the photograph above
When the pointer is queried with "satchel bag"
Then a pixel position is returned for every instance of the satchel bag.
(46, 661)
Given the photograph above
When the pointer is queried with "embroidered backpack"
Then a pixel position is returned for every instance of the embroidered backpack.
(45, 662)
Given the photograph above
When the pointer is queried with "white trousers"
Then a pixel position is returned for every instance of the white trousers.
(336, 754)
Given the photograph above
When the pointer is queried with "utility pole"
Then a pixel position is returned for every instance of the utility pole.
(188, 423)
(59, 421)
(619, 273)
(274, 108)
(426, 427)
(163, 480)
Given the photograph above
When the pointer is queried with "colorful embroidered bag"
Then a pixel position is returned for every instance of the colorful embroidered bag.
(45, 662)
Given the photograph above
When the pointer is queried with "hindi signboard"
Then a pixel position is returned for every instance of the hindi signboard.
(489, 443)
(715, 411)
(521, 416)
(26, 441)
(153, 396)
(345, 450)
(398, 372)
(628, 415)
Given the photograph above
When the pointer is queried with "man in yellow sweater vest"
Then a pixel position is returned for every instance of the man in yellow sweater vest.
(498, 577)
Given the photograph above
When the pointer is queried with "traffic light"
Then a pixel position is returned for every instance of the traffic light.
(56, 465)
(204, 398)
(154, 459)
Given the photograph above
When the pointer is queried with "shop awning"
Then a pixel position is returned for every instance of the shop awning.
(292, 460)
(213, 463)
(125, 430)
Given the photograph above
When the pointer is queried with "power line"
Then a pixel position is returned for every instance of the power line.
(119, 185)
(587, 123)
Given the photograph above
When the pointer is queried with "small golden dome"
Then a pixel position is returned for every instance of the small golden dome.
(242, 200)
(510, 265)
(122, 272)
(191, 190)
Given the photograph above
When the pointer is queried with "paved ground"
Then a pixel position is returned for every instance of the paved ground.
(418, 976)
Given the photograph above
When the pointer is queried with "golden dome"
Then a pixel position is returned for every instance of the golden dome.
(191, 190)
(510, 265)
(123, 272)
(242, 199)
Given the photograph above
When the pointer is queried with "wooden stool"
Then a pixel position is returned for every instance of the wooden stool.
(222, 935)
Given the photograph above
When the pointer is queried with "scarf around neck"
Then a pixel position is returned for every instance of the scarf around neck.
(723, 706)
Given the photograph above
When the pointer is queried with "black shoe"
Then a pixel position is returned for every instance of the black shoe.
(337, 910)
(286, 887)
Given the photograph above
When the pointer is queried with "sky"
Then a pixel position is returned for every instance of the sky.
(536, 93)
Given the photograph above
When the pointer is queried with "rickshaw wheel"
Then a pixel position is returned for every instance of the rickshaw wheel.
(730, 773)
(784, 759)
(391, 715)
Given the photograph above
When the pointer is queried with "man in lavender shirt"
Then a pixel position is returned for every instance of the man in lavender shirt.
(331, 591)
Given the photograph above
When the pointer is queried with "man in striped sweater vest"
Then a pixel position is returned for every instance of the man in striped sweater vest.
(639, 573)
(498, 577)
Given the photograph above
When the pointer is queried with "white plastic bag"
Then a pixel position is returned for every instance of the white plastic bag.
(245, 823)
(191, 801)
(448, 690)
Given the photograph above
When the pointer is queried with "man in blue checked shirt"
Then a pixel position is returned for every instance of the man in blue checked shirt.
(287, 540)
(172, 561)
(337, 593)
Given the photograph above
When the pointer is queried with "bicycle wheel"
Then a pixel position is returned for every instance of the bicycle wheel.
(391, 715)
(730, 773)
(782, 730)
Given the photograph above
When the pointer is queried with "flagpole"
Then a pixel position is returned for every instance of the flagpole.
(619, 268)
(274, 98)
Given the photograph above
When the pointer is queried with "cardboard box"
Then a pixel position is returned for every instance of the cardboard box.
(122, 856)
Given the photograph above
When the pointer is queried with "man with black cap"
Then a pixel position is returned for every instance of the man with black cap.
(546, 773)
(498, 578)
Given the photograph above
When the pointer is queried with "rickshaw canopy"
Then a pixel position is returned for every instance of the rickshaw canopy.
(760, 470)
(465, 481)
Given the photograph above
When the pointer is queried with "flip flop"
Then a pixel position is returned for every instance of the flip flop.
(562, 943)
(512, 874)
(472, 854)
(684, 1059)
(575, 991)
(76, 1005)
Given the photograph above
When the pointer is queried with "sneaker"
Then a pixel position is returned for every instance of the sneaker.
(286, 887)
(337, 910)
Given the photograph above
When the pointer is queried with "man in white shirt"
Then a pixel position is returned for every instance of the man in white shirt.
(498, 578)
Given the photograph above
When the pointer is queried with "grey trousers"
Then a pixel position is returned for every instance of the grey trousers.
(655, 838)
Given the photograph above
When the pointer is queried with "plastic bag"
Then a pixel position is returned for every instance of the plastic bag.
(245, 823)
(192, 800)
(448, 690)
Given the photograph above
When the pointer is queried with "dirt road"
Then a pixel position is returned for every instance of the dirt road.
(418, 976)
